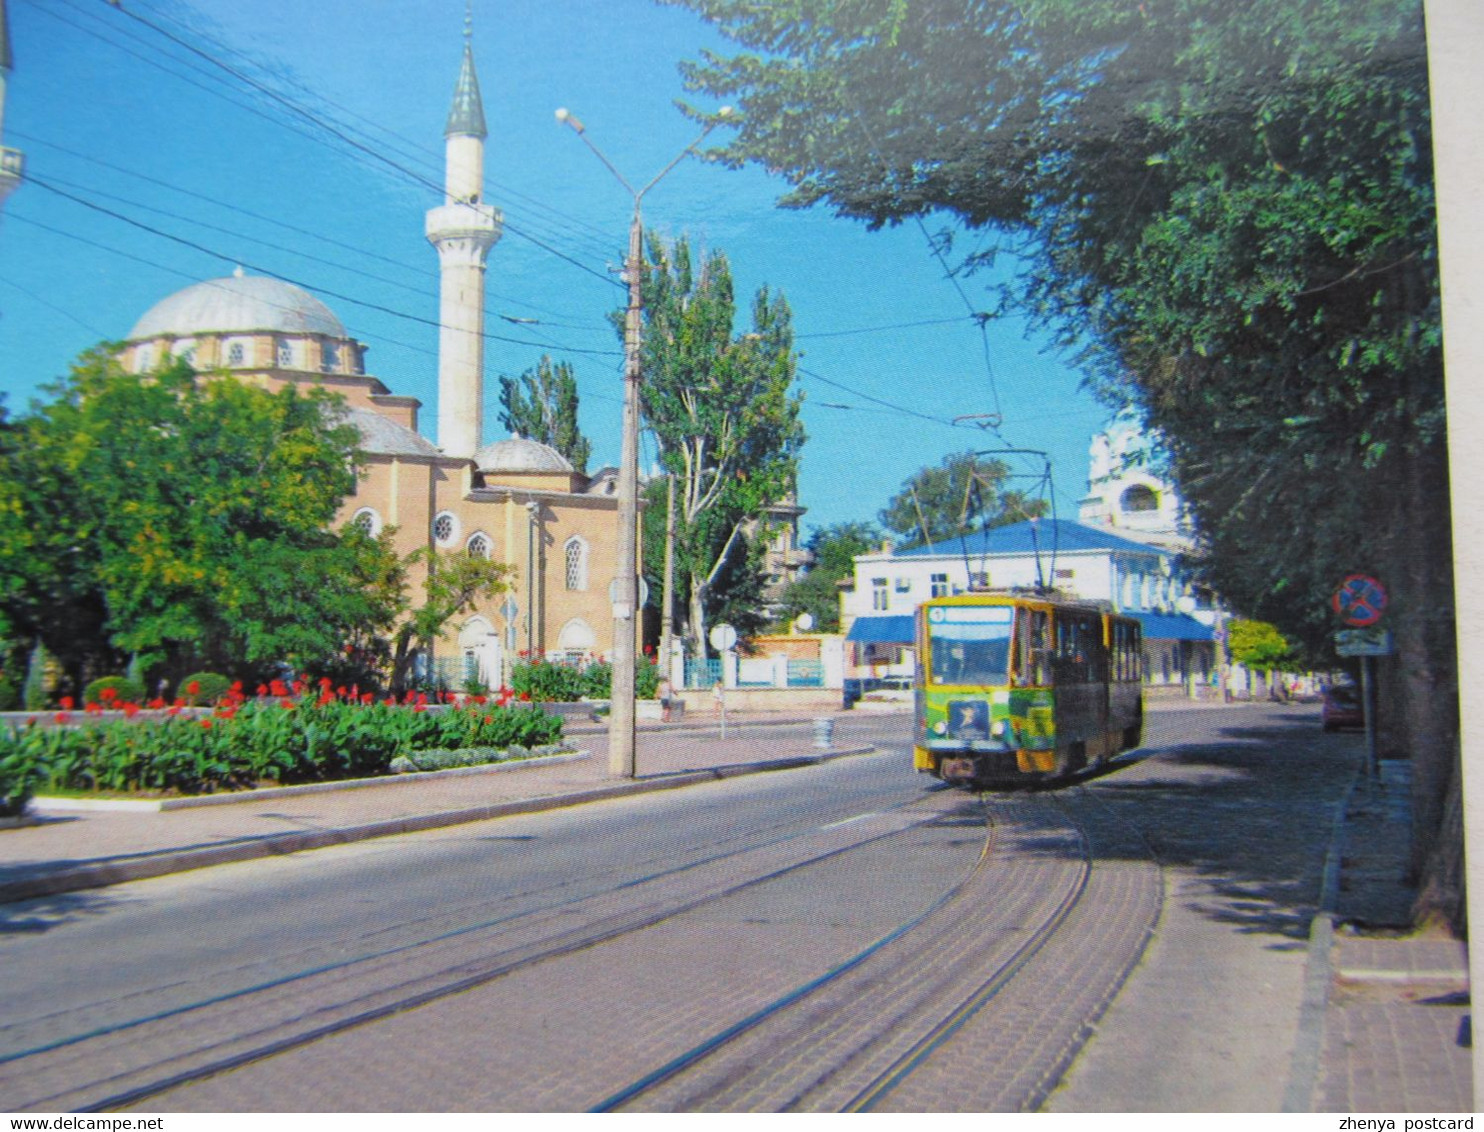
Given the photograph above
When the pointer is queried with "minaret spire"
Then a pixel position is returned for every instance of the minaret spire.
(463, 230)
(12, 161)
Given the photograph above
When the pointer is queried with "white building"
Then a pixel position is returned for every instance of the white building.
(1126, 492)
(1144, 580)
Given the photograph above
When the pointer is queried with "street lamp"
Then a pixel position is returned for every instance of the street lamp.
(625, 591)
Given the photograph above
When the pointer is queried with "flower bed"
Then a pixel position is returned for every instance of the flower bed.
(282, 739)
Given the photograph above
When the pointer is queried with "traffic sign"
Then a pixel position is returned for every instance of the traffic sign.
(1363, 642)
(1360, 600)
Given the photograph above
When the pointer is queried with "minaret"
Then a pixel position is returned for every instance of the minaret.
(463, 230)
(11, 160)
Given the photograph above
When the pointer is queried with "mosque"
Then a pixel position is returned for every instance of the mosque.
(514, 500)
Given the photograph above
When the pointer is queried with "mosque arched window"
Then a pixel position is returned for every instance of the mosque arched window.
(236, 353)
(285, 354)
(332, 357)
(367, 520)
(575, 553)
(478, 545)
(445, 528)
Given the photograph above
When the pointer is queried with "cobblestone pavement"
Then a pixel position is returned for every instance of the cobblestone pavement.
(1210, 852)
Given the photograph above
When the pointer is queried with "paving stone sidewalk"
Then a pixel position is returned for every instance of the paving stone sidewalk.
(1397, 1025)
(61, 851)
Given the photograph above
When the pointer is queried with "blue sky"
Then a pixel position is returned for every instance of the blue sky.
(109, 110)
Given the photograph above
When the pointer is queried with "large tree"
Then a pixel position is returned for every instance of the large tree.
(817, 593)
(964, 493)
(724, 413)
(1230, 206)
(184, 521)
(541, 404)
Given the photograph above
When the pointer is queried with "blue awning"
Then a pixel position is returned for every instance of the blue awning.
(1172, 627)
(890, 630)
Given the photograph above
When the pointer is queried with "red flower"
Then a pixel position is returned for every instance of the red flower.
(368, 698)
(488, 720)
(206, 723)
(325, 682)
(286, 704)
(525, 697)
(107, 694)
(61, 717)
(262, 689)
(278, 688)
(340, 691)
(66, 702)
(390, 701)
(157, 703)
(131, 710)
(193, 688)
(237, 686)
(173, 709)
(93, 709)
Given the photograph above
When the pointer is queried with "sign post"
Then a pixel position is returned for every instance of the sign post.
(1360, 601)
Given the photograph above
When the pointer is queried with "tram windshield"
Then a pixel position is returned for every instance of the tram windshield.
(969, 644)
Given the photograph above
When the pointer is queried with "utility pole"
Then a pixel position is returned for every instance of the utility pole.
(667, 604)
(625, 590)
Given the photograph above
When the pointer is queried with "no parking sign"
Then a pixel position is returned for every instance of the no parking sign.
(1360, 600)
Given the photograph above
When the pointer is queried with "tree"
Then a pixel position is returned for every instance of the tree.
(1258, 645)
(452, 585)
(724, 414)
(542, 405)
(1229, 208)
(817, 593)
(962, 494)
(183, 520)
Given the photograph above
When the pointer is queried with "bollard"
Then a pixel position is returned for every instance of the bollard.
(824, 734)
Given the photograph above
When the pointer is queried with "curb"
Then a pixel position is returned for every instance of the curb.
(167, 861)
(49, 804)
(1308, 1052)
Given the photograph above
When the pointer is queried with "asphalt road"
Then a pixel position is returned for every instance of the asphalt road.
(842, 936)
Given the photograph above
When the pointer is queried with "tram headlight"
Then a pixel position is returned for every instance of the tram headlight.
(941, 727)
(997, 729)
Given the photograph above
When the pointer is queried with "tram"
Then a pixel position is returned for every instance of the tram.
(1013, 687)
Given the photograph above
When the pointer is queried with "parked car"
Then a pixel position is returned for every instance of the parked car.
(1341, 708)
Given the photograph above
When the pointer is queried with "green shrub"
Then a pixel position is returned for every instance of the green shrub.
(284, 741)
(545, 681)
(203, 688)
(20, 771)
(124, 691)
(10, 693)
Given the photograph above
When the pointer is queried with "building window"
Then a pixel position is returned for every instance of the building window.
(575, 553)
(903, 585)
(332, 357)
(367, 520)
(1140, 498)
(285, 354)
(939, 585)
(880, 600)
(185, 350)
(236, 354)
(478, 545)
(143, 357)
(445, 528)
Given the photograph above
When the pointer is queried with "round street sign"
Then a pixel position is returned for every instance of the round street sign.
(1360, 600)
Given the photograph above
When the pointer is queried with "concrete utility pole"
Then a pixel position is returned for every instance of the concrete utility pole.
(625, 592)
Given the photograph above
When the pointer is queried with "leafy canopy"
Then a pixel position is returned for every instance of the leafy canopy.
(541, 405)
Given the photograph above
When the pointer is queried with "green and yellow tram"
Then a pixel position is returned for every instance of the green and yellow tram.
(1011, 687)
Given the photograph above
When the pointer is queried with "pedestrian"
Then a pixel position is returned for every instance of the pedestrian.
(718, 696)
(663, 692)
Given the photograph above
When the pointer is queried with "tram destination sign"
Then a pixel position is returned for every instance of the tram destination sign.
(1360, 601)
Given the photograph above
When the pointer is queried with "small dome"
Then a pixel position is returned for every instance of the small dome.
(236, 304)
(520, 455)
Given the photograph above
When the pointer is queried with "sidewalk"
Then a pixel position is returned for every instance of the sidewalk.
(1389, 1023)
(63, 851)
(1397, 1017)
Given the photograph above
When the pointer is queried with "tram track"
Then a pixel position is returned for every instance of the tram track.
(146, 1057)
(912, 1022)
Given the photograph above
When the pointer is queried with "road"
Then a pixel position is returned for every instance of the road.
(847, 936)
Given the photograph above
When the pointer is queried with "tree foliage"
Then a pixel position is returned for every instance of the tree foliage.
(964, 493)
(541, 404)
(1228, 207)
(817, 593)
(725, 416)
(184, 521)
(1258, 645)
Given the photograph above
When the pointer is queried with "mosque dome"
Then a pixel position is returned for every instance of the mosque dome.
(236, 304)
(520, 455)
